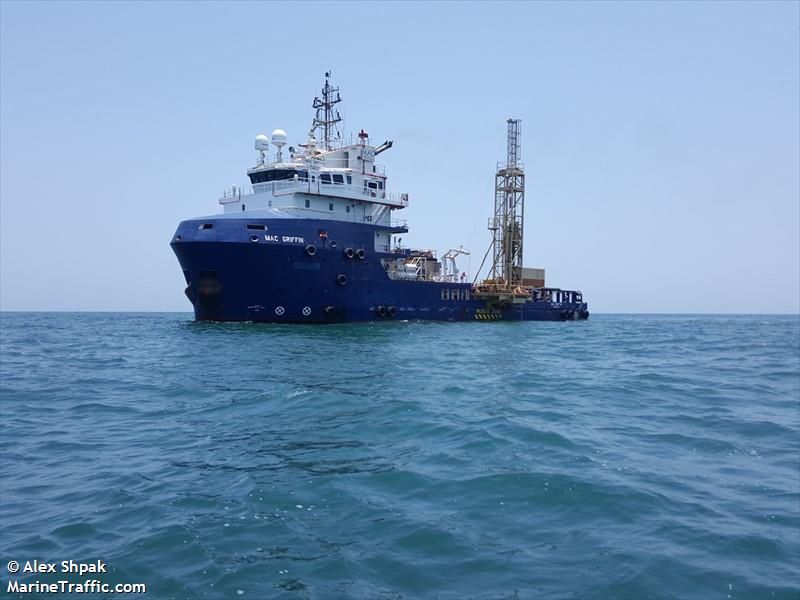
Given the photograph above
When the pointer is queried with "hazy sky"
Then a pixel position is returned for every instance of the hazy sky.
(661, 140)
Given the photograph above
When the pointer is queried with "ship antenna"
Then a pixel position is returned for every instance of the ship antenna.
(326, 118)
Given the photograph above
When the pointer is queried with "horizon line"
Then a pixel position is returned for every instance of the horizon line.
(89, 311)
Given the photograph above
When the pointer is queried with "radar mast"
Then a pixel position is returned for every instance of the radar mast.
(327, 118)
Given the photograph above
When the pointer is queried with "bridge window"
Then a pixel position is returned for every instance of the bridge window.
(337, 178)
(277, 175)
(349, 180)
(347, 208)
(308, 203)
(325, 178)
(330, 206)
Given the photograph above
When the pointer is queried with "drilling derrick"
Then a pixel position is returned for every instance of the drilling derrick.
(506, 226)
(509, 213)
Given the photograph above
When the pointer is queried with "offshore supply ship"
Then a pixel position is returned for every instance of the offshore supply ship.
(314, 240)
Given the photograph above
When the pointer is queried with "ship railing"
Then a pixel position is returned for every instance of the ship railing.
(396, 198)
(357, 192)
(398, 223)
(332, 163)
(557, 295)
(235, 193)
(339, 144)
(302, 184)
(506, 165)
(304, 156)
(286, 185)
(348, 163)
(411, 276)
(353, 191)
(552, 295)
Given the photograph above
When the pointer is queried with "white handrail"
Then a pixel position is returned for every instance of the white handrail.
(340, 190)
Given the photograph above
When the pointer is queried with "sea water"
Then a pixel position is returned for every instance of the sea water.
(622, 457)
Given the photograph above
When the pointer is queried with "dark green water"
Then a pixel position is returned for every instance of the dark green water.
(624, 457)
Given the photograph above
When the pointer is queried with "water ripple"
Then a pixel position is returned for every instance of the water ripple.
(623, 457)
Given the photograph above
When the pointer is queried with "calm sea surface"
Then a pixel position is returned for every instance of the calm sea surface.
(623, 457)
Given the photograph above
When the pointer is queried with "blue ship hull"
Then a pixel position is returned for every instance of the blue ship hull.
(237, 271)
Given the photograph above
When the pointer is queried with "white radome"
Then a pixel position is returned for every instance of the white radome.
(279, 137)
(261, 143)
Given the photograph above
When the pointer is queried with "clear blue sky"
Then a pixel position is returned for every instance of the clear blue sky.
(661, 139)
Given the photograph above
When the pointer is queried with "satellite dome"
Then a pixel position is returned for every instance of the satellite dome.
(279, 137)
(261, 143)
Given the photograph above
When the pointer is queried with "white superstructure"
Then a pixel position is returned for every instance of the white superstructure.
(322, 179)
